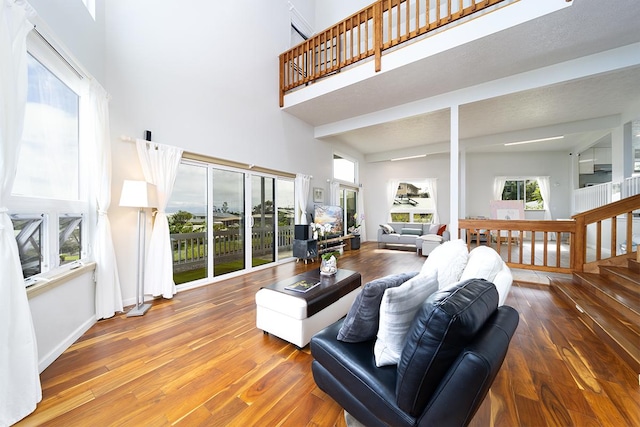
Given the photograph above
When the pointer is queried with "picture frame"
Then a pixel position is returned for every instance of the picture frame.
(318, 195)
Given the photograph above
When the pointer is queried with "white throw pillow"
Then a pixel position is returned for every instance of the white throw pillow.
(397, 310)
(484, 263)
(448, 260)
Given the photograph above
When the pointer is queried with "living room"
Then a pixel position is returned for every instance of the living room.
(167, 69)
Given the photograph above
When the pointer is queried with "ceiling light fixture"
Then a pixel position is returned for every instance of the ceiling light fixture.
(534, 140)
(408, 157)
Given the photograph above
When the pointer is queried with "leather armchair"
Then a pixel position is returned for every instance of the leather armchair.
(453, 352)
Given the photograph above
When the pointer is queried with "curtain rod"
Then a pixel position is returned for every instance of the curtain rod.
(57, 52)
(223, 162)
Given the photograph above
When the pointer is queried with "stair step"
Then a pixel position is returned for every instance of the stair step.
(622, 276)
(616, 296)
(634, 265)
(621, 334)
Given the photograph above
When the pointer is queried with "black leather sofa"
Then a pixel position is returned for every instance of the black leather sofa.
(453, 352)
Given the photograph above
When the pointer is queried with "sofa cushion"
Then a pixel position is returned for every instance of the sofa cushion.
(448, 260)
(441, 229)
(484, 263)
(443, 326)
(397, 309)
(387, 229)
(361, 323)
(411, 231)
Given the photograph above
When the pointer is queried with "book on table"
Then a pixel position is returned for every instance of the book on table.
(302, 286)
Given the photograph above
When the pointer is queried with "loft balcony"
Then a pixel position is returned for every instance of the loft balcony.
(368, 37)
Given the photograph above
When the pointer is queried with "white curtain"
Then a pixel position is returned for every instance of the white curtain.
(334, 193)
(20, 389)
(160, 166)
(498, 187)
(302, 183)
(108, 290)
(392, 190)
(545, 192)
(432, 189)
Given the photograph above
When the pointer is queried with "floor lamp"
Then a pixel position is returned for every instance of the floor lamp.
(141, 195)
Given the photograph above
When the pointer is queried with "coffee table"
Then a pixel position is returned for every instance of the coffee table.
(297, 316)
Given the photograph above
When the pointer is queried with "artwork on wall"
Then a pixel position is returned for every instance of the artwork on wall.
(507, 209)
(318, 195)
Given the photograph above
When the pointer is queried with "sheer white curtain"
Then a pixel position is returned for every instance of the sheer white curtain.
(20, 389)
(498, 187)
(160, 166)
(302, 183)
(545, 192)
(392, 190)
(108, 290)
(334, 193)
(432, 189)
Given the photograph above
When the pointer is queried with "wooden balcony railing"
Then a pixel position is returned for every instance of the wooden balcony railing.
(562, 246)
(376, 28)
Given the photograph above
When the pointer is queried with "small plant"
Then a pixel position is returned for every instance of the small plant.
(327, 255)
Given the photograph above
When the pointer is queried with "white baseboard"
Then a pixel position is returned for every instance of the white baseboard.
(49, 358)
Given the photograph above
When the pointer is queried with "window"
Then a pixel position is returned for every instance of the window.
(526, 190)
(344, 169)
(412, 203)
(49, 198)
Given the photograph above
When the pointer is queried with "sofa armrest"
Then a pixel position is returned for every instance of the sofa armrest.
(446, 236)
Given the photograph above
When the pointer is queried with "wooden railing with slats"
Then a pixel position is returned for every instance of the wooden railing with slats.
(539, 245)
(376, 28)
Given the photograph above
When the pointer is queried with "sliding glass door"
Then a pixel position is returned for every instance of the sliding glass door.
(227, 207)
(225, 220)
(263, 229)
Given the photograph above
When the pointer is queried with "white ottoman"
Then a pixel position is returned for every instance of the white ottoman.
(296, 317)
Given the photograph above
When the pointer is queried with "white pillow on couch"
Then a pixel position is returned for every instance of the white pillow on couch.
(485, 263)
(397, 310)
(448, 260)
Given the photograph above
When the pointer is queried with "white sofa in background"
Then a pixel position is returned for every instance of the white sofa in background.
(424, 237)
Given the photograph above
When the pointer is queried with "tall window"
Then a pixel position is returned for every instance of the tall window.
(50, 200)
(412, 203)
(526, 190)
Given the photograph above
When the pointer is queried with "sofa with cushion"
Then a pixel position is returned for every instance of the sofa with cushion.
(420, 348)
(413, 234)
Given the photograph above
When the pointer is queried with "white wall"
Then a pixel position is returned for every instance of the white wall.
(202, 76)
(482, 168)
(329, 12)
(75, 30)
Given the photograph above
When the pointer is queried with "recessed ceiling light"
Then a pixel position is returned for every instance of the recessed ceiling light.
(534, 140)
(408, 157)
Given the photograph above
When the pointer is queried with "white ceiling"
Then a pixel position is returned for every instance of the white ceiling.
(583, 109)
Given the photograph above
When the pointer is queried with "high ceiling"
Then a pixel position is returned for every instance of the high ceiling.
(586, 58)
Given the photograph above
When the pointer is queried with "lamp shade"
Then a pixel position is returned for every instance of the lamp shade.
(138, 194)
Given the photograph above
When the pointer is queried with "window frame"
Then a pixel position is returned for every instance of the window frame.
(54, 209)
(525, 180)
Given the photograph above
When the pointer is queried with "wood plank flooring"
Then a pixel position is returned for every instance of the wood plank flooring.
(198, 360)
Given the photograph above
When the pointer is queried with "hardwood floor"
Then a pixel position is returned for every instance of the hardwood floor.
(198, 360)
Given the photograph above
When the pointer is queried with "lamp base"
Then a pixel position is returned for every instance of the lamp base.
(139, 310)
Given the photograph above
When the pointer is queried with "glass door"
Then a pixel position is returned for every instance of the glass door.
(189, 223)
(349, 204)
(228, 227)
(263, 229)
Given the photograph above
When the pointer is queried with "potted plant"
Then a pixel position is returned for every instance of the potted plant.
(329, 264)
